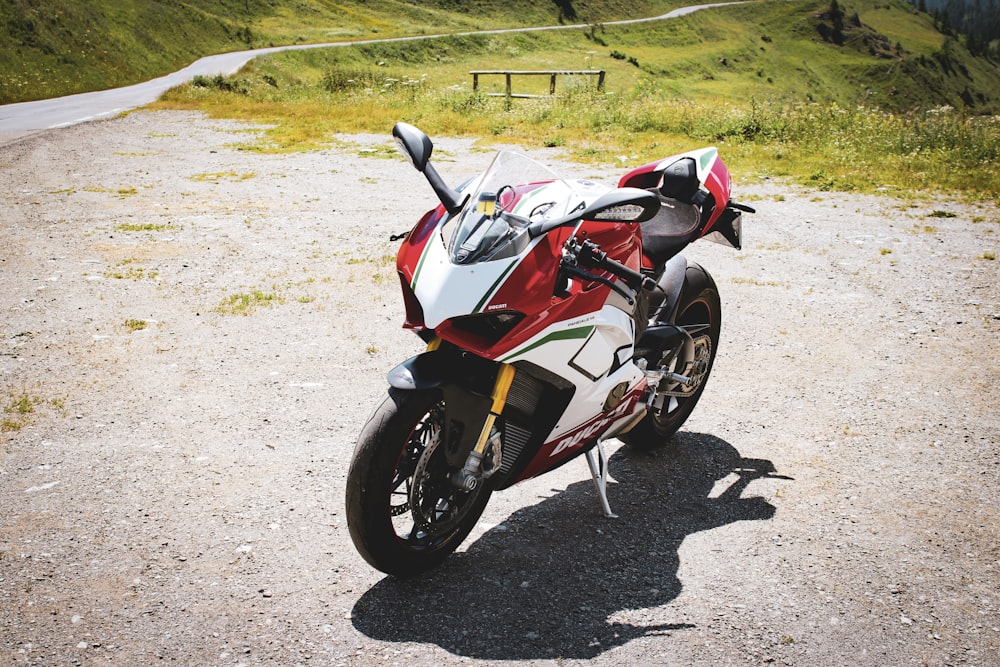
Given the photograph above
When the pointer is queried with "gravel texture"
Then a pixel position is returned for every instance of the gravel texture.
(175, 494)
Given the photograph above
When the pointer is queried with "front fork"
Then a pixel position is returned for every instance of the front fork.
(472, 472)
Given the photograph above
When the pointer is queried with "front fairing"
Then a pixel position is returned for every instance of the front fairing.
(456, 266)
(480, 283)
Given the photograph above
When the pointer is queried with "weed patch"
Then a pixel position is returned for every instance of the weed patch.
(20, 407)
(246, 303)
(140, 227)
(127, 269)
(216, 176)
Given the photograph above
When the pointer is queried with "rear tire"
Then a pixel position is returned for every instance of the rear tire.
(698, 304)
(404, 514)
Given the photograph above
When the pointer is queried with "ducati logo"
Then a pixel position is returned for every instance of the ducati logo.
(587, 431)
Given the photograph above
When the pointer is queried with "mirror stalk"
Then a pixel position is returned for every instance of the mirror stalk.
(451, 200)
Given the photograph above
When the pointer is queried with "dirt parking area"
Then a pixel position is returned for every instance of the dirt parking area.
(192, 336)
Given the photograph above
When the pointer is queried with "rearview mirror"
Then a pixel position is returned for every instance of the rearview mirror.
(417, 148)
(414, 144)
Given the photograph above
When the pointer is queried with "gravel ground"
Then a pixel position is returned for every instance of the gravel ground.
(175, 494)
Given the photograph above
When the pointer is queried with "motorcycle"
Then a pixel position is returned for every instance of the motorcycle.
(557, 314)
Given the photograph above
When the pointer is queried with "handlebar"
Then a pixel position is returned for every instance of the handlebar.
(590, 254)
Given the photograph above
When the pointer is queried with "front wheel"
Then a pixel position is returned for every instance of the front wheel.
(699, 312)
(404, 514)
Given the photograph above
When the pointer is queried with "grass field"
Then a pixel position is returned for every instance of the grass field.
(890, 104)
(753, 79)
(50, 48)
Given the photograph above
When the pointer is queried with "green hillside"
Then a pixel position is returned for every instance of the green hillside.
(53, 47)
(878, 52)
(886, 103)
(868, 95)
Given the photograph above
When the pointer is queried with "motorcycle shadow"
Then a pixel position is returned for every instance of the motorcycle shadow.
(548, 580)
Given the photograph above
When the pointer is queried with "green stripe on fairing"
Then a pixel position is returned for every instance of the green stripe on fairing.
(420, 262)
(482, 302)
(708, 157)
(569, 334)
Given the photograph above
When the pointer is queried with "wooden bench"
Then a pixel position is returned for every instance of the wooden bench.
(552, 74)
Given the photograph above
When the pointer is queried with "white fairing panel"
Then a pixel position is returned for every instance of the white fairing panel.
(589, 352)
(448, 290)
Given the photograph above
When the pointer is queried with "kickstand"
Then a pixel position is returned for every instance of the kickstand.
(598, 463)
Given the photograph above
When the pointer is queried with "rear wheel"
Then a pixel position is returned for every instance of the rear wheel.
(699, 311)
(404, 514)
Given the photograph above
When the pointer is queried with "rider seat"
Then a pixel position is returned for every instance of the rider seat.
(670, 230)
(678, 221)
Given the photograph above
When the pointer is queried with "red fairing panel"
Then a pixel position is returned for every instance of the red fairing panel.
(568, 445)
(530, 289)
(644, 177)
(531, 293)
(406, 264)
(719, 184)
(413, 246)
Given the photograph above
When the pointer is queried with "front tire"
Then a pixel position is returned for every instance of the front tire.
(699, 310)
(404, 514)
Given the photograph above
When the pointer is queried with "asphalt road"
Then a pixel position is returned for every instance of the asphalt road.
(24, 118)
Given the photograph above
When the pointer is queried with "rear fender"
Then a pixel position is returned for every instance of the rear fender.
(663, 300)
(679, 277)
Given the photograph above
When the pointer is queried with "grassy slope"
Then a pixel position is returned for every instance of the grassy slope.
(774, 51)
(771, 50)
(52, 47)
(756, 78)
(763, 52)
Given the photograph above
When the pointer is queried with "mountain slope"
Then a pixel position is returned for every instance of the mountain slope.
(882, 53)
(52, 47)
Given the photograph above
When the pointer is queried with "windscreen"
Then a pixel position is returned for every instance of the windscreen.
(512, 193)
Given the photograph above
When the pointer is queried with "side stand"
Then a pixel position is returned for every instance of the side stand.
(598, 462)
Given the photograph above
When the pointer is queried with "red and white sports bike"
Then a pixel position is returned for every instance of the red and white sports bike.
(557, 314)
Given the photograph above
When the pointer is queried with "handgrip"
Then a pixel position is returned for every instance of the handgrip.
(590, 253)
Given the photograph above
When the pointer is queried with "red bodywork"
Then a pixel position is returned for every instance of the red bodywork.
(717, 183)
(530, 287)
(555, 452)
